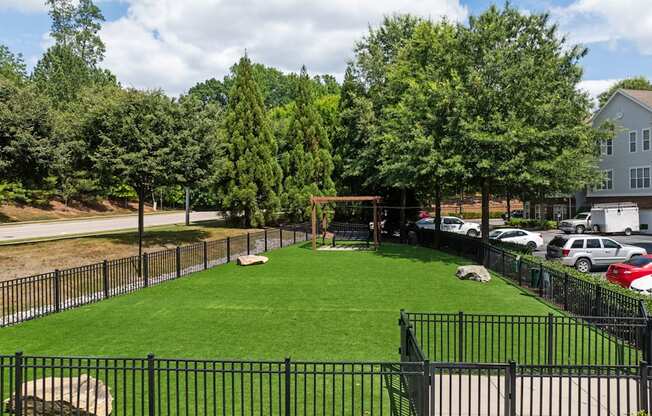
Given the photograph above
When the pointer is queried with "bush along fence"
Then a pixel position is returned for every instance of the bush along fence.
(31, 297)
(541, 383)
(556, 284)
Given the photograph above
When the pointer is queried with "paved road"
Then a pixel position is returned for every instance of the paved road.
(94, 225)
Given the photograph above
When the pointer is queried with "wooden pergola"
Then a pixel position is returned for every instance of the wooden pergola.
(319, 200)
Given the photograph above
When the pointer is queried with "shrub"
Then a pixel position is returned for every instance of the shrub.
(532, 224)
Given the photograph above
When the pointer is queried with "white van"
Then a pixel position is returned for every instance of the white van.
(613, 218)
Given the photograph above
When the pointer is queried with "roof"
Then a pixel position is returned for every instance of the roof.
(645, 97)
(640, 97)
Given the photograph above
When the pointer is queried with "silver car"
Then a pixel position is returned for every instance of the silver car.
(584, 252)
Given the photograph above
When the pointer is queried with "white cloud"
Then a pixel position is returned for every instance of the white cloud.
(596, 86)
(589, 21)
(174, 44)
(26, 6)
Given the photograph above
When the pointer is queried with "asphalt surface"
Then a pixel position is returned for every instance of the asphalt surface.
(55, 229)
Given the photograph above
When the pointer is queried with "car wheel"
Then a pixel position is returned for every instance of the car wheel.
(532, 245)
(472, 233)
(579, 229)
(628, 231)
(583, 265)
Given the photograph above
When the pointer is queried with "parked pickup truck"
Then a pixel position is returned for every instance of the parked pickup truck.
(577, 225)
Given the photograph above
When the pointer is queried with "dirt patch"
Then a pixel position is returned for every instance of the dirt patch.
(58, 210)
(29, 259)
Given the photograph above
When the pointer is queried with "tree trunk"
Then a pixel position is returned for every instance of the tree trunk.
(484, 228)
(187, 205)
(141, 228)
(437, 215)
(402, 217)
(509, 207)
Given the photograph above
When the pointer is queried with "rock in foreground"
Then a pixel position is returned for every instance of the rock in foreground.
(64, 396)
(251, 260)
(477, 273)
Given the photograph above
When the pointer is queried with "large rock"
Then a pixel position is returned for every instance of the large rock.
(64, 396)
(251, 259)
(477, 273)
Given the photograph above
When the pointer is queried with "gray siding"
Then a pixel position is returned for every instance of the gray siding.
(633, 117)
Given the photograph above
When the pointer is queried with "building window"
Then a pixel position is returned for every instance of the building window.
(607, 147)
(646, 139)
(632, 141)
(607, 181)
(639, 178)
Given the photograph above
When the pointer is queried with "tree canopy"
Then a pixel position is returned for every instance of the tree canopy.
(634, 83)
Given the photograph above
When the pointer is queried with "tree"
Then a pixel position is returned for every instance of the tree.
(418, 140)
(210, 91)
(197, 139)
(634, 83)
(12, 66)
(518, 110)
(136, 135)
(76, 24)
(248, 176)
(306, 160)
(26, 125)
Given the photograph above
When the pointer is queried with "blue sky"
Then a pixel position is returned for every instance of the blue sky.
(172, 44)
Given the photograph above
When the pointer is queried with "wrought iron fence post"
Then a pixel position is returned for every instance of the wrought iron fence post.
(597, 308)
(565, 291)
(647, 341)
(503, 262)
(151, 384)
(541, 279)
(425, 399)
(205, 247)
(178, 260)
(294, 233)
(460, 337)
(510, 389)
(228, 249)
(18, 383)
(265, 239)
(57, 290)
(280, 235)
(287, 386)
(105, 278)
(520, 274)
(145, 269)
(643, 387)
(248, 244)
(551, 340)
(402, 350)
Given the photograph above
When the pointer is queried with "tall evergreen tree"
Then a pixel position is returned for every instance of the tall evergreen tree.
(307, 163)
(248, 178)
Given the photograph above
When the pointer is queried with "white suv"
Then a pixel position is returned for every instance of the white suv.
(451, 225)
(583, 252)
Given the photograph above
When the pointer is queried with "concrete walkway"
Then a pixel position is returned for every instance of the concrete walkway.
(484, 395)
(54, 229)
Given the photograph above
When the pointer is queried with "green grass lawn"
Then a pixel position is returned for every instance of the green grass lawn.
(307, 305)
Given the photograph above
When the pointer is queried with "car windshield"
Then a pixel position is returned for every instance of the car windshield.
(582, 216)
(558, 242)
(495, 234)
(639, 261)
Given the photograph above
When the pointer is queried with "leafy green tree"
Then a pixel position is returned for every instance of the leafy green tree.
(306, 160)
(26, 125)
(634, 83)
(210, 91)
(197, 141)
(248, 176)
(136, 142)
(418, 142)
(518, 110)
(12, 66)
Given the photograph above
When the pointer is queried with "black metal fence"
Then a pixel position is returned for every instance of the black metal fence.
(155, 386)
(31, 297)
(574, 295)
(527, 339)
(506, 388)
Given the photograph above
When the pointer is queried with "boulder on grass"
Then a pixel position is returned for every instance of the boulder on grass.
(251, 260)
(477, 273)
(64, 396)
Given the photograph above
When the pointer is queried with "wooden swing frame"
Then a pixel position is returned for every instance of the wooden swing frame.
(320, 200)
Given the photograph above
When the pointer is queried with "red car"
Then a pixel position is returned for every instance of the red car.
(625, 273)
